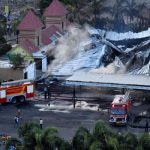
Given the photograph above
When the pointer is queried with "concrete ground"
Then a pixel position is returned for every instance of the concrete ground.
(61, 115)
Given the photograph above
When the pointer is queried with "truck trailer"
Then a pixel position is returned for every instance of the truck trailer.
(16, 91)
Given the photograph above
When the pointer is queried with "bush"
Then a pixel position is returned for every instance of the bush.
(4, 48)
(16, 60)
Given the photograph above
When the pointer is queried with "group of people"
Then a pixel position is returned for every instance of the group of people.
(47, 92)
(18, 117)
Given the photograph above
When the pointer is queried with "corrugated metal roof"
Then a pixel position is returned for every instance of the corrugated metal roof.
(110, 80)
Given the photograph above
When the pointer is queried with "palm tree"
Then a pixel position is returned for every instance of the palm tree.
(130, 141)
(100, 130)
(65, 145)
(145, 141)
(96, 145)
(112, 143)
(117, 14)
(97, 8)
(142, 19)
(82, 139)
(131, 9)
(38, 139)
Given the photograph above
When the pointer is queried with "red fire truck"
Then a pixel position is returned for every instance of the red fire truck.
(120, 109)
(16, 91)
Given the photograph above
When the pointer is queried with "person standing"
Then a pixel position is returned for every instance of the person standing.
(18, 113)
(41, 123)
(146, 126)
(45, 92)
(16, 121)
(49, 92)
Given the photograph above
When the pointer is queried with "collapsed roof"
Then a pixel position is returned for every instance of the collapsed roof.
(129, 50)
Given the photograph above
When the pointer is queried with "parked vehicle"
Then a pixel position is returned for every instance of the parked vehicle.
(120, 109)
(16, 91)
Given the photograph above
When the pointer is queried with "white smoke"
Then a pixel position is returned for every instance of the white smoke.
(69, 45)
(110, 69)
(115, 67)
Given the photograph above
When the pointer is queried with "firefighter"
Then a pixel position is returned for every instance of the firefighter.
(18, 113)
(16, 121)
(41, 123)
(45, 92)
(146, 126)
(49, 92)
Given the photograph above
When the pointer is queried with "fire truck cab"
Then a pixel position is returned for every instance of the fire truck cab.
(120, 108)
(16, 91)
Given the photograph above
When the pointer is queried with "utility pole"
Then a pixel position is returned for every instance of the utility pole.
(74, 97)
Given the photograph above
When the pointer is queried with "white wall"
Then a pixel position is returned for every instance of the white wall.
(44, 64)
(31, 71)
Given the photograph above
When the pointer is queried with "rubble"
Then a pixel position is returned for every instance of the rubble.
(130, 52)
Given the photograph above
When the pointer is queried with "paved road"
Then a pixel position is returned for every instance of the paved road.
(60, 114)
(66, 121)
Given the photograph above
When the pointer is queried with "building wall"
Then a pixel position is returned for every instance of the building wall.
(32, 36)
(57, 21)
(9, 73)
(30, 71)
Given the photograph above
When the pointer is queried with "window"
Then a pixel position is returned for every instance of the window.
(30, 89)
(118, 111)
(2, 94)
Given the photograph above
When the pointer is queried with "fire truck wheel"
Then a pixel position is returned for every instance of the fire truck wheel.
(14, 100)
(21, 98)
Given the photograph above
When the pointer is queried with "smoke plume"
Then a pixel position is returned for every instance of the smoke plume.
(115, 67)
(68, 45)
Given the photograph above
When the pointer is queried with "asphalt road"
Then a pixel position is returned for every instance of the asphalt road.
(59, 114)
(66, 121)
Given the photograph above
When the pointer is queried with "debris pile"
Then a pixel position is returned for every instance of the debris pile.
(119, 52)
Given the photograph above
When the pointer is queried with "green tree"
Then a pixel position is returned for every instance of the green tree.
(16, 60)
(145, 141)
(112, 143)
(82, 139)
(37, 139)
(117, 12)
(4, 47)
(43, 4)
(65, 145)
(131, 141)
(96, 145)
(96, 9)
(100, 131)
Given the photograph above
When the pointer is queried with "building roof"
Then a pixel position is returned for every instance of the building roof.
(56, 8)
(30, 22)
(110, 80)
(30, 47)
(47, 33)
(68, 23)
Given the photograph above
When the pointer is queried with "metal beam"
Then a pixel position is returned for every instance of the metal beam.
(115, 85)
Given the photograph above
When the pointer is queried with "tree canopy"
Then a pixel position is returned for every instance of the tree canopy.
(101, 138)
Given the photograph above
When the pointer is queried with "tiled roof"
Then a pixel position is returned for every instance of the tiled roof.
(30, 22)
(47, 33)
(30, 47)
(68, 23)
(55, 9)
